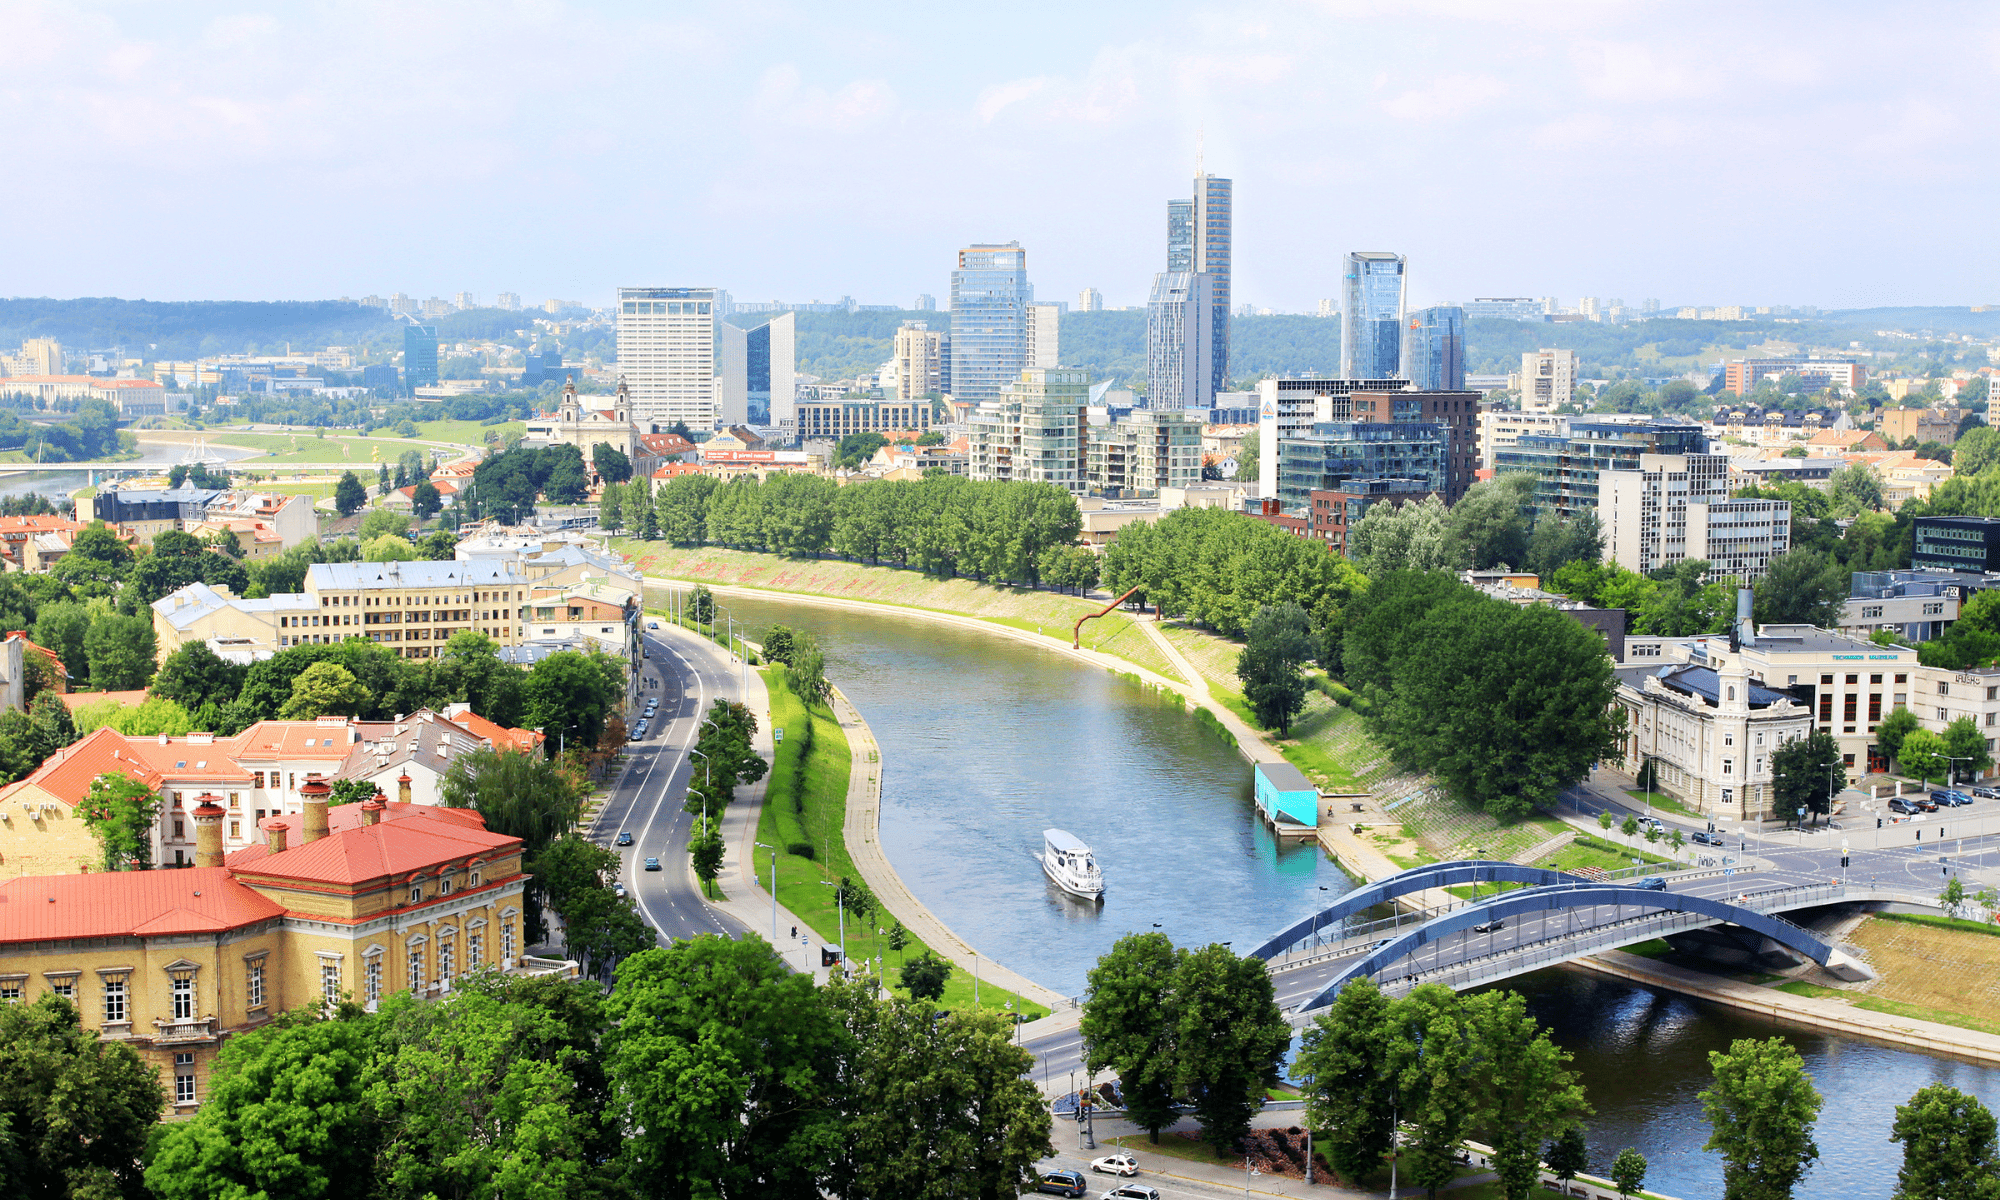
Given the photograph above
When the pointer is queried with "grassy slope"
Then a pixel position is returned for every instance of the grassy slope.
(1048, 613)
(802, 883)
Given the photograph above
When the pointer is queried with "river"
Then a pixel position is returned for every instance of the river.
(57, 481)
(987, 741)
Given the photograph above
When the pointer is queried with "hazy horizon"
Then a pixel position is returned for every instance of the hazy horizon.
(1786, 154)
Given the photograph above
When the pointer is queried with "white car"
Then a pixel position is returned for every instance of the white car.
(1115, 1164)
(1132, 1191)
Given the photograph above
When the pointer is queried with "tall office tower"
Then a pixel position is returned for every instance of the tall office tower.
(1180, 235)
(732, 374)
(399, 303)
(464, 301)
(1032, 430)
(420, 356)
(511, 301)
(925, 302)
(1044, 336)
(666, 355)
(1090, 300)
(919, 361)
(1548, 380)
(771, 367)
(989, 320)
(1180, 342)
(1211, 257)
(1371, 315)
(1329, 308)
(1434, 349)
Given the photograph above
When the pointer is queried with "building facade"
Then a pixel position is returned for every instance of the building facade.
(1337, 455)
(1292, 407)
(1371, 323)
(1742, 375)
(1956, 544)
(1548, 380)
(1434, 349)
(1143, 453)
(1456, 412)
(1044, 336)
(1214, 224)
(923, 365)
(1501, 429)
(1034, 431)
(420, 357)
(1335, 511)
(771, 371)
(667, 355)
(1677, 507)
(1938, 425)
(1709, 729)
(1180, 341)
(990, 297)
(1180, 235)
(1569, 468)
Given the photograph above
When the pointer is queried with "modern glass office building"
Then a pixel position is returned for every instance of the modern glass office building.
(1180, 343)
(1567, 467)
(771, 350)
(1212, 225)
(420, 356)
(1371, 318)
(1338, 452)
(1434, 349)
(990, 295)
(1180, 235)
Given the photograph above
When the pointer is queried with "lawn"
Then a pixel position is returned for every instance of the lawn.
(804, 884)
(465, 433)
(1664, 803)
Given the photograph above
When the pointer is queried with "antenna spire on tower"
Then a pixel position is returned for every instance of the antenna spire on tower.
(1199, 131)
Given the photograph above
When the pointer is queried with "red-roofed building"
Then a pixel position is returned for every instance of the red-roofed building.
(15, 532)
(379, 898)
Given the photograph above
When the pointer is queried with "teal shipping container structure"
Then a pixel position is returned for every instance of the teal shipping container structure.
(1285, 796)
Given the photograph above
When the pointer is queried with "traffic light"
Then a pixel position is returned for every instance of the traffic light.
(1878, 822)
(1843, 862)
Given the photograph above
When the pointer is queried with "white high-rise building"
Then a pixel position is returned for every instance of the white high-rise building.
(1548, 380)
(921, 369)
(667, 355)
(1677, 507)
(1044, 336)
(1090, 300)
(464, 301)
(511, 301)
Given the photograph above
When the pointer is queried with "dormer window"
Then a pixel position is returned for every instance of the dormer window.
(416, 893)
(444, 886)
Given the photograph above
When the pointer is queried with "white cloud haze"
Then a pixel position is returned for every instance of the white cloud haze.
(1835, 154)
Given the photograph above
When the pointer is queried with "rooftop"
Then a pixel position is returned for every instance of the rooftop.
(325, 577)
(417, 838)
(38, 908)
(1704, 684)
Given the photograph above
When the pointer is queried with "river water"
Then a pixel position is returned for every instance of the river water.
(59, 482)
(987, 741)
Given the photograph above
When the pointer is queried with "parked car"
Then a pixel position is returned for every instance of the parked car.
(1944, 799)
(1927, 803)
(618, 890)
(1986, 793)
(652, 864)
(1132, 1191)
(1115, 1164)
(1899, 805)
(624, 837)
(1651, 883)
(1703, 837)
(1062, 1183)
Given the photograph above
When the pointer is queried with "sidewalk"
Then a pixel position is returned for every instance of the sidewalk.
(861, 831)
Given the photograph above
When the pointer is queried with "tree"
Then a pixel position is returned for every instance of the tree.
(383, 484)
(286, 1114)
(120, 651)
(778, 643)
(1628, 1171)
(519, 795)
(1855, 488)
(1524, 1087)
(119, 811)
(1966, 747)
(568, 695)
(924, 977)
(1350, 1095)
(936, 1109)
(1247, 459)
(1489, 524)
(1569, 1155)
(384, 522)
(805, 671)
(1950, 1151)
(610, 509)
(724, 1069)
(77, 1109)
(706, 850)
(1802, 587)
(440, 546)
(1128, 1025)
(194, 675)
(51, 725)
(323, 689)
(1806, 771)
(611, 463)
(1894, 728)
(1230, 1038)
(1280, 640)
(1923, 755)
(727, 755)
(702, 606)
(388, 548)
(1761, 1110)
(348, 495)
(425, 500)
(1629, 826)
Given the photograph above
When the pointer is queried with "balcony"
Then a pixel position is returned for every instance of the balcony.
(198, 1029)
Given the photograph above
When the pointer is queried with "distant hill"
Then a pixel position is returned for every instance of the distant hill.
(186, 328)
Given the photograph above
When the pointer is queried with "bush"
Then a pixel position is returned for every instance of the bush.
(1208, 721)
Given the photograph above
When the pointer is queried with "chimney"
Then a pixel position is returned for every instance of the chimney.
(1744, 632)
(277, 831)
(314, 792)
(371, 809)
(402, 788)
(207, 832)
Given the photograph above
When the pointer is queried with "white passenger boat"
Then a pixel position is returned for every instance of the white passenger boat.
(1071, 865)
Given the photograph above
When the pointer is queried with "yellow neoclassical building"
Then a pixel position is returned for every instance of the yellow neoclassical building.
(360, 901)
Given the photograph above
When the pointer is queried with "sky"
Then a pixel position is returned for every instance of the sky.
(1838, 154)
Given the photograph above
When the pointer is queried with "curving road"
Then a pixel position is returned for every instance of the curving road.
(646, 800)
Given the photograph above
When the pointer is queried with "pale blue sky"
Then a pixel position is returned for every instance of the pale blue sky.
(1773, 153)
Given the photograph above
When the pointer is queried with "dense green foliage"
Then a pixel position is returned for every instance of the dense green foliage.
(1449, 1067)
(1950, 1149)
(76, 1109)
(1202, 1025)
(1216, 568)
(518, 795)
(1806, 772)
(1279, 642)
(1761, 1111)
(506, 486)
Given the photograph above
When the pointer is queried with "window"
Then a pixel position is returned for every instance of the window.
(253, 984)
(183, 1079)
(181, 993)
(506, 942)
(1874, 679)
(474, 880)
(474, 946)
(373, 975)
(1944, 689)
(1902, 679)
(63, 985)
(1826, 681)
(416, 969)
(114, 1000)
(329, 981)
(416, 893)
(10, 989)
(1944, 715)
(446, 960)
(444, 886)
(1729, 739)
(1871, 612)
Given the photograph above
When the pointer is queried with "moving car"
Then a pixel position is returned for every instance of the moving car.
(652, 624)
(1132, 1191)
(652, 864)
(1062, 1183)
(1651, 883)
(1490, 927)
(618, 890)
(624, 837)
(1115, 1164)
(1702, 837)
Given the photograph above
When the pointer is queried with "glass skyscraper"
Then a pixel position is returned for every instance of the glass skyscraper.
(990, 295)
(420, 356)
(1179, 342)
(1434, 349)
(1180, 235)
(1371, 318)
(1212, 224)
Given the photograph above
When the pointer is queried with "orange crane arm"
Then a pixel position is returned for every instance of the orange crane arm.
(1076, 634)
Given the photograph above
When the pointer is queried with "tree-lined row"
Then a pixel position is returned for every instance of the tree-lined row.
(1217, 568)
(942, 524)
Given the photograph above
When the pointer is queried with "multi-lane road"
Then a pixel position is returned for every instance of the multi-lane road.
(646, 798)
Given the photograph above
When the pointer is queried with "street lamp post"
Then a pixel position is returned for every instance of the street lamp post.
(840, 902)
(774, 891)
(706, 780)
